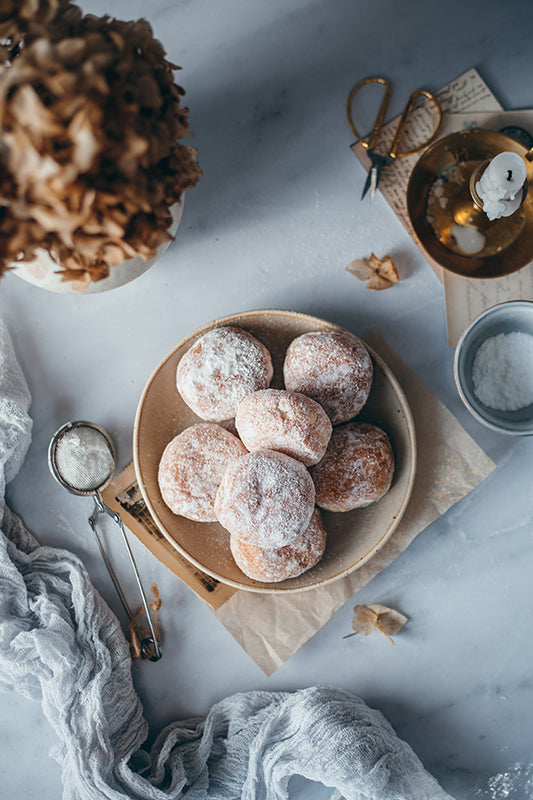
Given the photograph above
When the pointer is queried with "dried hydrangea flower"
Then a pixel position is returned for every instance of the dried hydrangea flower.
(90, 157)
(21, 21)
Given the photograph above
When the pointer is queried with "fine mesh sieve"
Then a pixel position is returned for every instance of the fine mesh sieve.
(82, 458)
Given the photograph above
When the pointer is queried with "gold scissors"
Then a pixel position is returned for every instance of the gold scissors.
(369, 143)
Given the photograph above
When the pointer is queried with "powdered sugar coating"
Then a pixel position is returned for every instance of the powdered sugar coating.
(332, 367)
(192, 467)
(289, 422)
(221, 368)
(272, 566)
(357, 469)
(266, 498)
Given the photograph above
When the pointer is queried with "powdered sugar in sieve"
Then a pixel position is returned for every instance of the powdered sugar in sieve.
(84, 457)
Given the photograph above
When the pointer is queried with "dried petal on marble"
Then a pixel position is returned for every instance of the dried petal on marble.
(380, 273)
(368, 618)
(360, 268)
(377, 283)
(384, 267)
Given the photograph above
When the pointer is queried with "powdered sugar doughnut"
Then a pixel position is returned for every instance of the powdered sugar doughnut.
(289, 422)
(357, 469)
(192, 467)
(265, 498)
(221, 368)
(332, 367)
(271, 566)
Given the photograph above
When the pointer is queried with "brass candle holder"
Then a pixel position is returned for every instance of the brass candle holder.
(447, 213)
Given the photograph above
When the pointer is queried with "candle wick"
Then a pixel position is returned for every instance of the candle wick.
(509, 175)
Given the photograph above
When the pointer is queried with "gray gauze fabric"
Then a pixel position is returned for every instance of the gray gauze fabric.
(60, 644)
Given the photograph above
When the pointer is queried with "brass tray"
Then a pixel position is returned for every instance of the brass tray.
(509, 241)
(353, 537)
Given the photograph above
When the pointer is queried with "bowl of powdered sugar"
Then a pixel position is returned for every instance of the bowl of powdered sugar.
(493, 367)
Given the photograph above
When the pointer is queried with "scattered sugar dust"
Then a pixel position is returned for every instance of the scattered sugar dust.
(515, 784)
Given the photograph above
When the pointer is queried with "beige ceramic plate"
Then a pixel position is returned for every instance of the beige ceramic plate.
(353, 537)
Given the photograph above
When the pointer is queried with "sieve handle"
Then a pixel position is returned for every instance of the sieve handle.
(112, 574)
(102, 508)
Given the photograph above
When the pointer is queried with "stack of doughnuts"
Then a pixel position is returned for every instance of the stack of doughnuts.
(294, 451)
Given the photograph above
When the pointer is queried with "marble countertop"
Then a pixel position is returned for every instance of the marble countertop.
(273, 223)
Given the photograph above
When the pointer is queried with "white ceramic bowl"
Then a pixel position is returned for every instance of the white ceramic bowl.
(44, 272)
(514, 315)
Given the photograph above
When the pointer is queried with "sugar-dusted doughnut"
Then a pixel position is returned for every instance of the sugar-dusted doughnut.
(272, 566)
(357, 469)
(265, 498)
(220, 369)
(192, 467)
(289, 422)
(332, 367)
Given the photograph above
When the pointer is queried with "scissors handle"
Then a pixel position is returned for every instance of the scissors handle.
(370, 142)
(396, 142)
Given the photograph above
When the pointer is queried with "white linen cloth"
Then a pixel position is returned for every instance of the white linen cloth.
(61, 644)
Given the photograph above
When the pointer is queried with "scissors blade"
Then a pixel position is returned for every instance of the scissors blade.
(374, 179)
(370, 179)
(374, 173)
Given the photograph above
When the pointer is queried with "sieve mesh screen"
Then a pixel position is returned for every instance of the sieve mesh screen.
(84, 458)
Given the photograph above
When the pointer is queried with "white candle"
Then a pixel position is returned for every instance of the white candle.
(500, 186)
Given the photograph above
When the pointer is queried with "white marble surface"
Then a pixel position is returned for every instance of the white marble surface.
(272, 224)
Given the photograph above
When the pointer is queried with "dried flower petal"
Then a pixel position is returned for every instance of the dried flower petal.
(361, 269)
(380, 273)
(377, 283)
(384, 267)
(372, 617)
